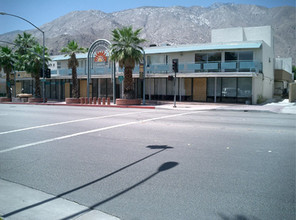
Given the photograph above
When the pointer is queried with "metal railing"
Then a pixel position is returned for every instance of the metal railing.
(227, 66)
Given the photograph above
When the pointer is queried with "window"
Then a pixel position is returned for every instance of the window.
(148, 60)
(211, 87)
(210, 61)
(81, 64)
(229, 87)
(59, 65)
(246, 55)
(244, 86)
(207, 57)
(241, 55)
(201, 57)
(231, 56)
(214, 57)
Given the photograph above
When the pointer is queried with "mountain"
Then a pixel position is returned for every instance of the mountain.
(173, 25)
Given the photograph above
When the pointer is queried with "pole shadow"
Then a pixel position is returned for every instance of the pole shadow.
(164, 167)
(160, 147)
(236, 217)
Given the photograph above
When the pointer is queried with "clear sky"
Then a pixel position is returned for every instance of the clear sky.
(40, 12)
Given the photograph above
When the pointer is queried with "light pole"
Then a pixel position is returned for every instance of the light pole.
(43, 65)
(144, 72)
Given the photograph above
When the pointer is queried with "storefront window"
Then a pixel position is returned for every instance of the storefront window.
(244, 87)
(229, 87)
(211, 87)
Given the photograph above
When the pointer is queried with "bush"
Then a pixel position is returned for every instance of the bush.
(260, 99)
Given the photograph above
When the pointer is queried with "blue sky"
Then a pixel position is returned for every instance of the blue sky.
(40, 12)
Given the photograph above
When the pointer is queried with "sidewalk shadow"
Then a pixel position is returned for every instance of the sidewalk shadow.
(160, 147)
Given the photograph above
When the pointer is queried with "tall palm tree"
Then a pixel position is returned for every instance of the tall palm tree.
(7, 60)
(33, 63)
(126, 50)
(24, 42)
(71, 49)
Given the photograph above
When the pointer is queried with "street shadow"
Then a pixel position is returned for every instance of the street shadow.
(164, 167)
(160, 147)
(156, 147)
(237, 217)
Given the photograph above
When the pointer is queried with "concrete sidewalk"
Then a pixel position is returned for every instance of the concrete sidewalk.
(276, 107)
(19, 202)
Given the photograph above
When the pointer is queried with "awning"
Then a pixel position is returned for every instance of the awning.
(203, 47)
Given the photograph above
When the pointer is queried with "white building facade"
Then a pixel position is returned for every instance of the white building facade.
(236, 67)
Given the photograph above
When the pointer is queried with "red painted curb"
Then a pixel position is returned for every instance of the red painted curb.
(83, 105)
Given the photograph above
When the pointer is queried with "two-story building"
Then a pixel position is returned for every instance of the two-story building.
(236, 67)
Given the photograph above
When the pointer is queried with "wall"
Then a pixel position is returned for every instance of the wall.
(268, 70)
(292, 92)
(243, 34)
(257, 87)
(67, 90)
(223, 35)
(284, 64)
(264, 33)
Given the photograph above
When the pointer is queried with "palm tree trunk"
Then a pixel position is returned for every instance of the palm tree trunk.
(37, 86)
(128, 83)
(8, 94)
(74, 83)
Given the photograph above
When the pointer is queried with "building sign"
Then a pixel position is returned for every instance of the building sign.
(101, 56)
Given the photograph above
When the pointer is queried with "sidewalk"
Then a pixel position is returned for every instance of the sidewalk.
(20, 202)
(276, 107)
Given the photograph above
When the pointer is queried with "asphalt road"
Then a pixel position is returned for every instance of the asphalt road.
(154, 164)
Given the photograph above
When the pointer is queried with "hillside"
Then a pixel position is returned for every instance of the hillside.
(174, 25)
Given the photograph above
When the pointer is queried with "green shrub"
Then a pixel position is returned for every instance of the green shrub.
(260, 99)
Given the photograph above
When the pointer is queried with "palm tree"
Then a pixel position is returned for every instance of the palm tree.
(7, 59)
(126, 50)
(24, 42)
(30, 58)
(71, 49)
(33, 63)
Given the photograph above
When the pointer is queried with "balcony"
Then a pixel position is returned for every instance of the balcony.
(82, 71)
(202, 67)
(229, 66)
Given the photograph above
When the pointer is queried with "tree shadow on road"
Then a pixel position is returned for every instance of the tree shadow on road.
(162, 168)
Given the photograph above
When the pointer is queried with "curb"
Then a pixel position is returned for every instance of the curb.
(83, 105)
(244, 110)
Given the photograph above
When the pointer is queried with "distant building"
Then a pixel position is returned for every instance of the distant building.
(283, 75)
(236, 67)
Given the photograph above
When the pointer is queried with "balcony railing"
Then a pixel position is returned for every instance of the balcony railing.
(82, 71)
(228, 66)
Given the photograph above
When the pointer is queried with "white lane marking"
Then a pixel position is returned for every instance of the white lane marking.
(65, 122)
(93, 131)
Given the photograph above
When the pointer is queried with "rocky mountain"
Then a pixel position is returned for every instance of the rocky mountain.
(173, 25)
